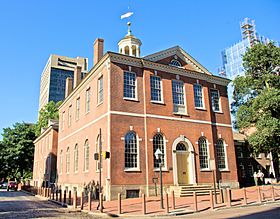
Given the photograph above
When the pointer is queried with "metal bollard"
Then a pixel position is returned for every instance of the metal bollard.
(64, 197)
(82, 200)
(56, 195)
(229, 197)
(244, 196)
(89, 201)
(211, 199)
(60, 195)
(119, 203)
(101, 202)
(173, 199)
(75, 200)
(195, 208)
(272, 194)
(166, 203)
(144, 204)
(52, 194)
(69, 198)
(259, 195)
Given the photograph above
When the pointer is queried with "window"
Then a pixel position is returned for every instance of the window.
(250, 170)
(86, 156)
(78, 105)
(129, 85)
(203, 153)
(100, 90)
(175, 63)
(131, 150)
(97, 163)
(87, 100)
(63, 120)
(155, 88)
(198, 97)
(181, 147)
(242, 170)
(70, 115)
(158, 143)
(67, 160)
(61, 162)
(239, 152)
(76, 158)
(221, 155)
(215, 100)
(178, 96)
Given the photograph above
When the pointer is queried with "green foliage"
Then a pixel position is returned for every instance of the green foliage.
(50, 111)
(257, 97)
(17, 150)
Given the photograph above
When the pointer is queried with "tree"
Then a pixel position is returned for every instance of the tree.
(257, 98)
(50, 111)
(17, 150)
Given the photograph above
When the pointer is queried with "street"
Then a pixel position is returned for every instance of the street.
(21, 205)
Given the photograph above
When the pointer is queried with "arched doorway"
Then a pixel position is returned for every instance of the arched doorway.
(183, 162)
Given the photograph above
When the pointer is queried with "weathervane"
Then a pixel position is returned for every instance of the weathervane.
(128, 15)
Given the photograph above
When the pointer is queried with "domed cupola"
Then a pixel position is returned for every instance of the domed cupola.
(130, 45)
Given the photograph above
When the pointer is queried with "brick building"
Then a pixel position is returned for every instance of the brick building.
(166, 100)
(45, 152)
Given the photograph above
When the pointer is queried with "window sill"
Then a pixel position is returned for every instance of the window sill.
(205, 170)
(131, 99)
(218, 112)
(164, 169)
(200, 108)
(87, 112)
(99, 104)
(157, 102)
(224, 170)
(132, 170)
(180, 114)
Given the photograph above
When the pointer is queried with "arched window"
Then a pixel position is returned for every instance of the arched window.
(97, 143)
(175, 62)
(131, 150)
(203, 153)
(76, 158)
(86, 155)
(221, 155)
(158, 143)
(61, 161)
(126, 50)
(134, 50)
(67, 160)
(181, 147)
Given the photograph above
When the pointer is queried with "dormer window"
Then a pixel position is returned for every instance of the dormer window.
(175, 63)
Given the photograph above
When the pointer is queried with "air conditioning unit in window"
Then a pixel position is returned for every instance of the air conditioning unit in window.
(179, 109)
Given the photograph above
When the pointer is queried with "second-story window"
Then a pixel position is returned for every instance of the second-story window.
(68, 160)
(63, 120)
(129, 90)
(178, 96)
(198, 96)
(78, 105)
(70, 115)
(215, 100)
(155, 88)
(100, 90)
(87, 100)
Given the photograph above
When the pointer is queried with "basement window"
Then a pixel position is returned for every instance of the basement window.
(133, 193)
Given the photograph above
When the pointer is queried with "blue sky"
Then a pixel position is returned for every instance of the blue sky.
(32, 30)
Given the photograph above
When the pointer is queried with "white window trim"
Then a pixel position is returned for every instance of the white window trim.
(84, 164)
(161, 91)
(68, 164)
(87, 110)
(70, 115)
(208, 156)
(203, 101)
(76, 171)
(98, 87)
(226, 157)
(185, 102)
(77, 115)
(136, 88)
(164, 168)
(132, 169)
(220, 105)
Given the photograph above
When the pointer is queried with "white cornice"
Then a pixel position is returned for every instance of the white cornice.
(142, 63)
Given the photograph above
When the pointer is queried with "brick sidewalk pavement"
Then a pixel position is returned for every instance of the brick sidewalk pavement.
(184, 205)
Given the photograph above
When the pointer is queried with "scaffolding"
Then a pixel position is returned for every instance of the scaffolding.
(248, 30)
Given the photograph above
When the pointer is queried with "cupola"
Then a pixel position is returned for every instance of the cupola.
(129, 45)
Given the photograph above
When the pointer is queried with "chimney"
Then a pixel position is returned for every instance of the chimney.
(98, 47)
(69, 86)
(77, 75)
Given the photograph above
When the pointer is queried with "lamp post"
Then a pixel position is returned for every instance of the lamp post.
(213, 168)
(158, 155)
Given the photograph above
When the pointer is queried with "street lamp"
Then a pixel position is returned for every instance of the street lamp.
(213, 169)
(159, 155)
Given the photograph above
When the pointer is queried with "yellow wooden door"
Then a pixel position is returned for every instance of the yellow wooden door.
(182, 168)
